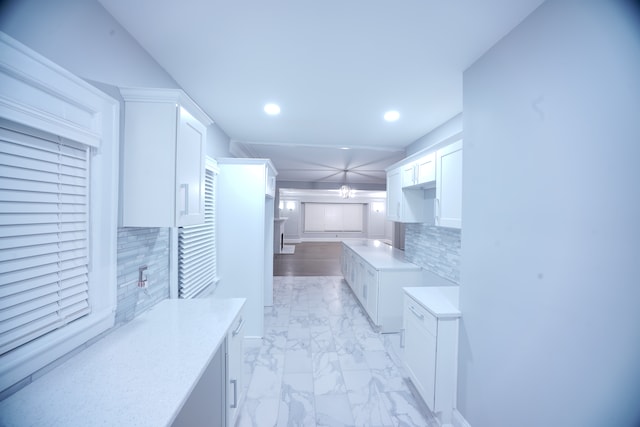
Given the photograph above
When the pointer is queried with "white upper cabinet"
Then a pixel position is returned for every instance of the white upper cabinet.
(420, 173)
(163, 159)
(406, 205)
(427, 189)
(426, 169)
(449, 186)
(394, 193)
(409, 174)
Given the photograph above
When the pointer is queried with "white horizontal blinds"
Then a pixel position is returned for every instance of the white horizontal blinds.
(43, 236)
(197, 267)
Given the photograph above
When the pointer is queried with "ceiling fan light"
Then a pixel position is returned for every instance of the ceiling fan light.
(272, 109)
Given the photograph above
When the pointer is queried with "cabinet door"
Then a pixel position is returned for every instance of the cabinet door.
(270, 182)
(359, 282)
(449, 186)
(235, 384)
(426, 169)
(409, 175)
(190, 170)
(420, 353)
(371, 277)
(394, 194)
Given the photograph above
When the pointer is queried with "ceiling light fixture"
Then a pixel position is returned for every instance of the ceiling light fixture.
(391, 116)
(347, 192)
(272, 109)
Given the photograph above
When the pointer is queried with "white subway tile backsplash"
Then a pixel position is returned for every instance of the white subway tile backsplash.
(436, 249)
(137, 247)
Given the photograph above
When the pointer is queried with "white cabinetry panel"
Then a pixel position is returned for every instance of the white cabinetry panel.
(245, 237)
(430, 347)
(163, 159)
(190, 161)
(235, 380)
(449, 186)
(394, 193)
(406, 204)
(426, 169)
(427, 190)
(376, 275)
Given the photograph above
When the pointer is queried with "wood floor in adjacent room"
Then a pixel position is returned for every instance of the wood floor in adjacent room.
(310, 259)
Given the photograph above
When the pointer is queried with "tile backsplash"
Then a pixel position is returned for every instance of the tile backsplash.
(138, 247)
(436, 249)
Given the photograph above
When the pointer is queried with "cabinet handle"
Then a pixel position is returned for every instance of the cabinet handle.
(402, 338)
(237, 330)
(418, 315)
(185, 211)
(436, 208)
(235, 394)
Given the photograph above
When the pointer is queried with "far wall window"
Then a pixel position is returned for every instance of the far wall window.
(332, 217)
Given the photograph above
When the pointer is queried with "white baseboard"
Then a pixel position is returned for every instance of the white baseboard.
(458, 420)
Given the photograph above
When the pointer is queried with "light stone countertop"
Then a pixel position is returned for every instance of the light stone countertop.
(139, 375)
(380, 255)
(438, 300)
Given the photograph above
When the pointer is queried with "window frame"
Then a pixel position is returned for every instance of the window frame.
(40, 96)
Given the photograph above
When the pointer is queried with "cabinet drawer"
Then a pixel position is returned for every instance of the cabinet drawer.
(421, 315)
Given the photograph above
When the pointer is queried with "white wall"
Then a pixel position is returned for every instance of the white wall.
(448, 132)
(550, 286)
(81, 36)
(217, 142)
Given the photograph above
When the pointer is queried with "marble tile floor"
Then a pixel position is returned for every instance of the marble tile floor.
(322, 364)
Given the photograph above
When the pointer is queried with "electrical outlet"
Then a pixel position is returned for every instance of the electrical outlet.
(143, 282)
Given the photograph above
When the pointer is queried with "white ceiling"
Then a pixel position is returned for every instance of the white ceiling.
(333, 66)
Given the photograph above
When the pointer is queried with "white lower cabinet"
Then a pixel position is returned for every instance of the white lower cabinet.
(372, 290)
(205, 404)
(430, 355)
(216, 398)
(234, 371)
(376, 276)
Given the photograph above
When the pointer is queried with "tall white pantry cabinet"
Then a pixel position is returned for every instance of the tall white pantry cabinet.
(245, 211)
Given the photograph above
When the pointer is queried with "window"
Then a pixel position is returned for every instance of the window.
(58, 215)
(332, 217)
(43, 236)
(197, 258)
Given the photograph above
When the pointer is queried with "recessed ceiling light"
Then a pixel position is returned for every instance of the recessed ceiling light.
(344, 148)
(272, 109)
(391, 116)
